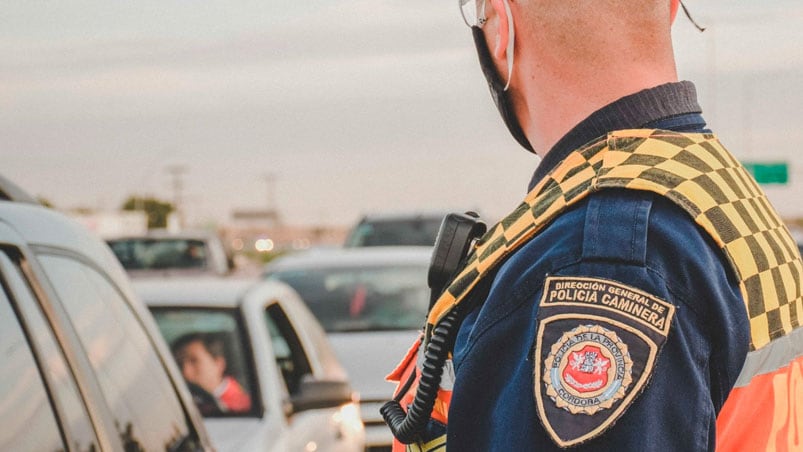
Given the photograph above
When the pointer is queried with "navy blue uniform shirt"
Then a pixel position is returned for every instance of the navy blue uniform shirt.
(638, 239)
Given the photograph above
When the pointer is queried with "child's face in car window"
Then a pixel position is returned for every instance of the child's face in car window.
(200, 367)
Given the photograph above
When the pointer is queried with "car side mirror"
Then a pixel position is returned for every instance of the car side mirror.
(313, 394)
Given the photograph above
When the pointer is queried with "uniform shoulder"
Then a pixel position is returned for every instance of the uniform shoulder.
(641, 227)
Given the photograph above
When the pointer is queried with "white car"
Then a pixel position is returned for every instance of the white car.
(283, 388)
(160, 254)
(372, 302)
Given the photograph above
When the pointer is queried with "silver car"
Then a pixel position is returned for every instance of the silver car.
(401, 229)
(372, 302)
(84, 367)
(258, 364)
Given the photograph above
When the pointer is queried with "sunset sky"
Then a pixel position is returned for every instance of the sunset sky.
(350, 106)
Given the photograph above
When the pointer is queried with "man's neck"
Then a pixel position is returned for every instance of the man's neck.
(554, 106)
(561, 79)
(671, 106)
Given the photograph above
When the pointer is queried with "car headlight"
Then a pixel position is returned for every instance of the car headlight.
(348, 418)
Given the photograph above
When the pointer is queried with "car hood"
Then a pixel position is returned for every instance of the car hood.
(368, 356)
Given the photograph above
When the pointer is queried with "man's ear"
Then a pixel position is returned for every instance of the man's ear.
(673, 10)
(500, 48)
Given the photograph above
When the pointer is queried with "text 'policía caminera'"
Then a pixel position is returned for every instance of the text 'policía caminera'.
(612, 295)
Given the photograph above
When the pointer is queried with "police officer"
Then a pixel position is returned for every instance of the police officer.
(645, 295)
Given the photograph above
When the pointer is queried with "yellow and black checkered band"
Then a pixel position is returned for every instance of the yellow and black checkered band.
(699, 175)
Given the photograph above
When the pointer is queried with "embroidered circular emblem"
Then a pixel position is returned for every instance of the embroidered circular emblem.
(588, 369)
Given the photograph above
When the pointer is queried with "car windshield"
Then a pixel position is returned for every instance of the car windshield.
(408, 232)
(213, 355)
(160, 254)
(363, 298)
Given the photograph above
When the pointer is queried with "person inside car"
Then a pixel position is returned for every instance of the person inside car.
(201, 358)
(193, 257)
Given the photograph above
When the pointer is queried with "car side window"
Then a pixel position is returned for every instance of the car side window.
(148, 413)
(26, 416)
(213, 354)
(287, 348)
(63, 388)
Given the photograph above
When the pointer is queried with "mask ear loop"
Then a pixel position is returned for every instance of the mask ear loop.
(691, 19)
(511, 35)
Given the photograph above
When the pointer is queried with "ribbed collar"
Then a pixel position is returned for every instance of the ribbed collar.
(640, 110)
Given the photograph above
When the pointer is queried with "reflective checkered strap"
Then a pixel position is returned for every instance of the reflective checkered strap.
(436, 445)
(699, 175)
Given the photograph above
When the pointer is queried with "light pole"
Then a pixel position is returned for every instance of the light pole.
(270, 184)
(176, 173)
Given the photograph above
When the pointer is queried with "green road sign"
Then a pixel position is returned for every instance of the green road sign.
(769, 172)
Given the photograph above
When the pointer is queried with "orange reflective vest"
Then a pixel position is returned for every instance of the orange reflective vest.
(764, 410)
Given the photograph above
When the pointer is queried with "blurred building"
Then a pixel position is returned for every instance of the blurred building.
(109, 224)
(263, 231)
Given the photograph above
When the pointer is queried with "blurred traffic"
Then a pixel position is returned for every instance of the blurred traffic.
(196, 352)
(263, 339)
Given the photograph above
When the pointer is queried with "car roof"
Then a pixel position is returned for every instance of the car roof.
(197, 291)
(402, 216)
(352, 257)
(164, 234)
(10, 191)
(41, 226)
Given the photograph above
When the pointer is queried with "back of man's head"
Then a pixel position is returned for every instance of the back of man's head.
(589, 27)
(572, 57)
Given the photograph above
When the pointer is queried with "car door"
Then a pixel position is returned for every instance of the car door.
(316, 426)
(40, 409)
(63, 369)
(147, 411)
(102, 362)
(312, 394)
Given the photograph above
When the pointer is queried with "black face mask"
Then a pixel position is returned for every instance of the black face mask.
(501, 97)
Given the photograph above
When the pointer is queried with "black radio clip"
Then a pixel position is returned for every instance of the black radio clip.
(457, 235)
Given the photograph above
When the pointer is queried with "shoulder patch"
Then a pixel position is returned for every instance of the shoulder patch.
(595, 350)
